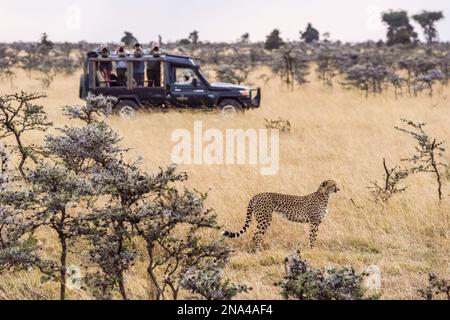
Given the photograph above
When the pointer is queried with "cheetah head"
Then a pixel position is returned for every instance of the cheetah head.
(328, 187)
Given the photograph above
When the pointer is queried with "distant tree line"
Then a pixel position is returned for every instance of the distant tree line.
(401, 63)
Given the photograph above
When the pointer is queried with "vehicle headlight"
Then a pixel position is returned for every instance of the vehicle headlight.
(245, 93)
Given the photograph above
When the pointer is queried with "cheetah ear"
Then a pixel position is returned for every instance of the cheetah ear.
(324, 184)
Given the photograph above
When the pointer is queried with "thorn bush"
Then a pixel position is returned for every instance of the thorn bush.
(305, 283)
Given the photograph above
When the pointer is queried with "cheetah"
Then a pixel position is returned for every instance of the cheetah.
(310, 209)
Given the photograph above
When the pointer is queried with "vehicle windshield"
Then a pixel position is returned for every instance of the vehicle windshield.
(203, 75)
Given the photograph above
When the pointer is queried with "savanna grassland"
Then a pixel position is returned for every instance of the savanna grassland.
(336, 134)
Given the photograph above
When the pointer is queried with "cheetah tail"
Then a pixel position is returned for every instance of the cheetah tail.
(246, 226)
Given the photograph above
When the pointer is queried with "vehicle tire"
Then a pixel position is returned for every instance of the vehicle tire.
(230, 107)
(126, 108)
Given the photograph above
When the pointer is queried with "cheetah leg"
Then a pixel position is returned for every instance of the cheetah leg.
(264, 220)
(313, 228)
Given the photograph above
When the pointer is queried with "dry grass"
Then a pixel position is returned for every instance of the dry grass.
(337, 134)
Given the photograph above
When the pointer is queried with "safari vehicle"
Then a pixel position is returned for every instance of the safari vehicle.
(178, 83)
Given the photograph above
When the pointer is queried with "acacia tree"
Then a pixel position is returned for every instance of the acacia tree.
(93, 152)
(367, 77)
(51, 66)
(19, 115)
(19, 249)
(8, 61)
(47, 203)
(129, 39)
(110, 227)
(326, 59)
(292, 65)
(245, 38)
(184, 42)
(274, 40)
(194, 37)
(429, 152)
(49, 60)
(427, 20)
(148, 207)
(55, 190)
(44, 45)
(422, 70)
(400, 31)
(31, 60)
(310, 34)
(178, 257)
(232, 73)
(138, 205)
(233, 68)
(85, 171)
(391, 184)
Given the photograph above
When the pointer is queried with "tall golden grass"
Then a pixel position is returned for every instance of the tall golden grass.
(337, 134)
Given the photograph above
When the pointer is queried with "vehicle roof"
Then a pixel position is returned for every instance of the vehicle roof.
(172, 58)
(178, 59)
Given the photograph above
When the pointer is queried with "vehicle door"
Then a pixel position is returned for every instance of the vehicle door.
(188, 90)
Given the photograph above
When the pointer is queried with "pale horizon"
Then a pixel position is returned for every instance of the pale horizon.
(220, 21)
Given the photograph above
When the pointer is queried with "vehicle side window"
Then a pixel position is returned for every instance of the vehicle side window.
(110, 74)
(186, 77)
(154, 73)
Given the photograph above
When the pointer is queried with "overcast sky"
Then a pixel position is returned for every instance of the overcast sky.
(219, 20)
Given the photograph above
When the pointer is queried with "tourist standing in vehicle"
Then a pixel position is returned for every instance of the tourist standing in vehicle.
(139, 66)
(122, 65)
(154, 67)
(155, 50)
(105, 66)
(100, 80)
